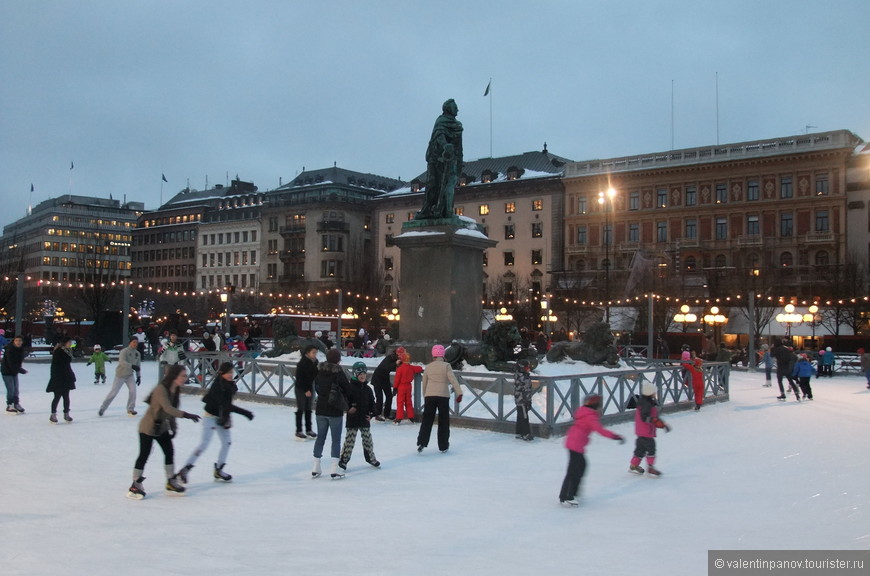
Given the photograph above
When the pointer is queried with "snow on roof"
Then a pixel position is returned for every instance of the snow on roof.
(419, 233)
(472, 233)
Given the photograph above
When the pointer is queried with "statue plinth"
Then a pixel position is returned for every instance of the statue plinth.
(441, 280)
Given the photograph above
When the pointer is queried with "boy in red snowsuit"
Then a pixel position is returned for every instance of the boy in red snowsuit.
(697, 376)
(404, 383)
(646, 420)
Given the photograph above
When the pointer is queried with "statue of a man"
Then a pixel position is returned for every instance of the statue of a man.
(443, 164)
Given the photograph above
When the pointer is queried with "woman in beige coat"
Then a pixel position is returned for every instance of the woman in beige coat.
(438, 378)
(158, 424)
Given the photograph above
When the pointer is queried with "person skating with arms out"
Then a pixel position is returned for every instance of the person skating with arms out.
(362, 404)
(158, 425)
(586, 421)
(646, 421)
(217, 418)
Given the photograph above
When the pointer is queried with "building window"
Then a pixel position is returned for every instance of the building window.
(581, 234)
(459, 210)
(391, 217)
(388, 263)
(691, 263)
(581, 204)
(785, 224)
(483, 210)
(272, 271)
(752, 190)
(661, 198)
(485, 259)
(786, 260)
(607, 235)
(537, 205)
(634, 232)
(273, 227)
(510, 207)
(661, 231)
(721, 193)
(508, 258)
(691, 228)
(822, 258)
(536, 257)
(691, 196)
(634, 200)
(822, 185)
(786, 189)
(752, 228)
(509, 232)
(388, 240)
(822, 221)
(721, 228)
(537, 229)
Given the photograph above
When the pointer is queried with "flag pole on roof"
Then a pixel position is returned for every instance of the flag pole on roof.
(488, 92)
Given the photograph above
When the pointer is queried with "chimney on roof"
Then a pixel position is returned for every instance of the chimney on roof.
(545, 148)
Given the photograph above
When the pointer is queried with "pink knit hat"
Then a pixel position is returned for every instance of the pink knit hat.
(438, 351)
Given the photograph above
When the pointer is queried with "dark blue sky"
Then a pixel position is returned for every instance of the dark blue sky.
(130, 90)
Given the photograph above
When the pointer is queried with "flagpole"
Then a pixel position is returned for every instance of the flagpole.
(488, 92)
(71, 166)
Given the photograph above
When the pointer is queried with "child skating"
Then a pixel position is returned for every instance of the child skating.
(362, 405)
(523, 398)
(646, 421)
(99, 359)
(586, 421)
(404, 384)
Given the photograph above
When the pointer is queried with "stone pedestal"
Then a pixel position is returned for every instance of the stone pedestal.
(441, 282)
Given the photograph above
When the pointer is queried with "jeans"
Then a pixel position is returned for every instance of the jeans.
(328, 425)
(130, 381)
(11, 381)
(210, 426)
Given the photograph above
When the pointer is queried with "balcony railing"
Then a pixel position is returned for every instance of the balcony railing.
(292, 229)
(819, 237)
(333, 226)
(577, 248)
(750, 240)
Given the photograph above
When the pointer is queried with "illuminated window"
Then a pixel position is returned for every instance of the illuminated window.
(510, 207)
(483, 210)
(537, 205)
(391, 218)
(537, 229)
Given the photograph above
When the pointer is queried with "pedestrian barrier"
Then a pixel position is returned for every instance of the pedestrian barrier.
(488, 401)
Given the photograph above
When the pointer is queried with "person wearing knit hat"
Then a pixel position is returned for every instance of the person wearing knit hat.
(99, 359)
(403, 385)
(329, 418)
(646, 421)
(438, 378)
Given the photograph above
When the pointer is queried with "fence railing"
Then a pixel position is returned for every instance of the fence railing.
(488, 401)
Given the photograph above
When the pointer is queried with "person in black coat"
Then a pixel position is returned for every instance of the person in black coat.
(361, 402)
(381, 382)
(306, 372)
(785, 360)
(62, 379)
(329, 374)
(13, 357)
(217, 419)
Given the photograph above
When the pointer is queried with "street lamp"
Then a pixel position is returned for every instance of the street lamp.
(603, 198)
(225, 299)
(503, 316)
(684, 316)
(715, 320)
(547, 316)
(788, 319)
(812, 319)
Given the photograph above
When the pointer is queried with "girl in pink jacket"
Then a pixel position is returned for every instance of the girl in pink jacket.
(586, 421)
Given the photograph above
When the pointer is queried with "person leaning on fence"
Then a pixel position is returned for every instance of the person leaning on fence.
(126, 372)
(404, 386)
(173, 351)
(523, 399)
(382, 386)
(767, 362)
(826, 363)
(586, 421)
(438, 378)
(696, 374)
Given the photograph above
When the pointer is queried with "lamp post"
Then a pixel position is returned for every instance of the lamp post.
(812, 319)
(715, 320)
(503, 316)
(225, 299)
(604, 198)
(684, 316)
(788, 319)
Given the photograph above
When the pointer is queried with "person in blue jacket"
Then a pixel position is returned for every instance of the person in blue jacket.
(803, 373)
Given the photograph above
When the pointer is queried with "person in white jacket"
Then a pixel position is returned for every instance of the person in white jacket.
(438, 378)
(127, 372)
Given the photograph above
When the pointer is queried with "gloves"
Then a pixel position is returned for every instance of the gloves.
(189, 416)
(22, 371)
(89, 363)
(458, 398)
(247, 414)
(620, 439)
(171, 434)
(352, 410)
(136, 368)
(138, 379)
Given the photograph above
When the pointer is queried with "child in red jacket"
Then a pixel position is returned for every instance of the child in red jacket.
(403, 384)
(697, 377)
(646, 420)
(586, 421)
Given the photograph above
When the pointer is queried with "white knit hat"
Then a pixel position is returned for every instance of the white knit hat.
(648, 389)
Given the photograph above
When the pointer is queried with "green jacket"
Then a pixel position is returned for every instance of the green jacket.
(99, 359)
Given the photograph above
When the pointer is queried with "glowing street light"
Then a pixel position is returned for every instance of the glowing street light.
(684, 316)
(604, 198)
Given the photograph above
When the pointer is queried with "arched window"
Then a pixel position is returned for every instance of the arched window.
(721, 261)
(786, 260)
(822, 258)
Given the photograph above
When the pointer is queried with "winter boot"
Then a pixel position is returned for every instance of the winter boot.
(11, 409)
(299, 433)
(219, 473)
(137, 491)
(182, 474)
(67, 417)
(53, 418)
(18, 408)
(311, 434)
(635, 466)
(336, 473)
(652, 470)
(315, 472)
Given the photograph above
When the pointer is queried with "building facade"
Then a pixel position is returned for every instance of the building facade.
(72, 239)
(711, 221)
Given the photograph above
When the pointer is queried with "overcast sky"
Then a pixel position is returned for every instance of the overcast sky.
(129, 90)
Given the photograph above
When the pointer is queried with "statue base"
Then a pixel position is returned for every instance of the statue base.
(441, 280)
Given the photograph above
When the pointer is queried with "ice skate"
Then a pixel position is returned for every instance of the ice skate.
(53, 418)
(136, 491)
(301, 436)
(219, 473)
(18, 408)
(10, 409)
(67, 417)
(315, 472)
(635, 469)
(311, 434)
(653, 471)
(182, 474)
(173, 486)
(336, 473)
(131, 412)
(570, 503)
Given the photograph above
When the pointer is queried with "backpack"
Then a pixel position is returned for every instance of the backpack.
(632, 402)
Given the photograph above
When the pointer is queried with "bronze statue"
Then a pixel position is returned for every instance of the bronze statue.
(443, 164)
